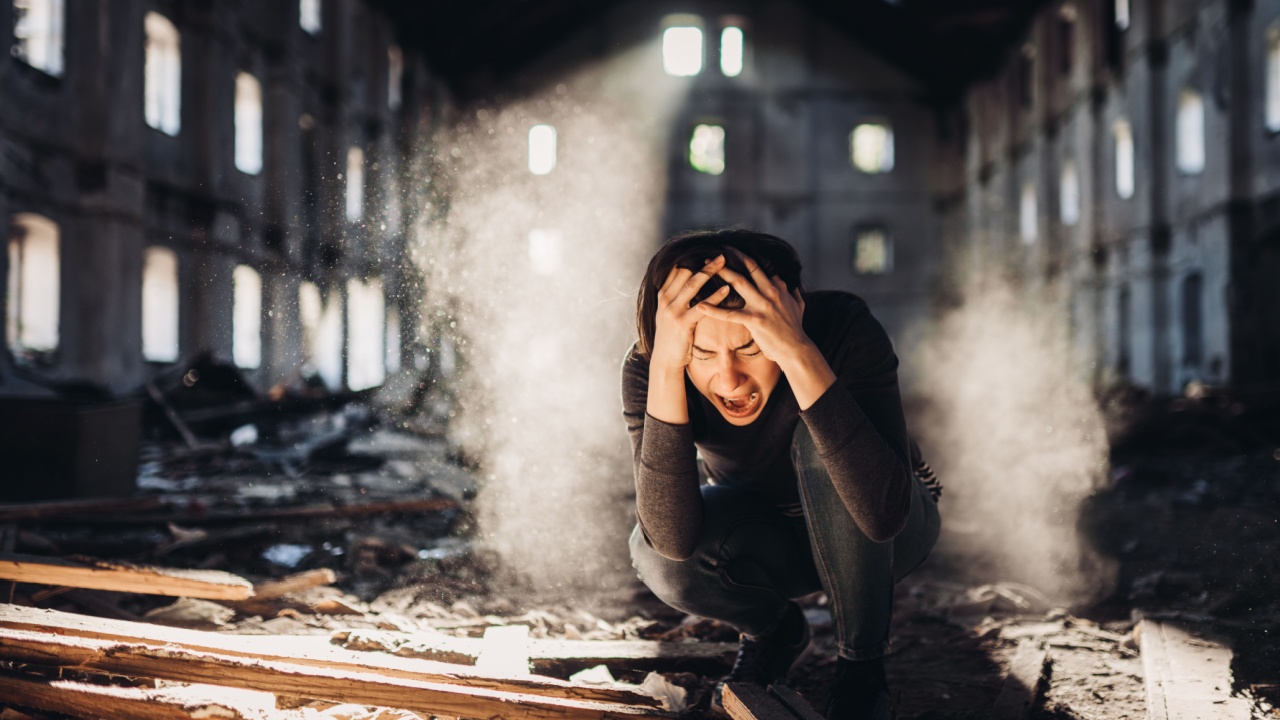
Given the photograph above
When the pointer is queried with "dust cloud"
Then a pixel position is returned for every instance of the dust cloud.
(1018, 439)
(532, 277)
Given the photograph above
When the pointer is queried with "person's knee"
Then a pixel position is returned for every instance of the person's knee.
(678, 583)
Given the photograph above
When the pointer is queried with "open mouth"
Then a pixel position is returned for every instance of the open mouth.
(740, 406)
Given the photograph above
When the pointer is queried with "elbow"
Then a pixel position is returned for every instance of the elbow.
(677, 552)
(891, 521)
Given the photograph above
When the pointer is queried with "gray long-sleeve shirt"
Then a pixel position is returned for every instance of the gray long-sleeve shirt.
(857, 427)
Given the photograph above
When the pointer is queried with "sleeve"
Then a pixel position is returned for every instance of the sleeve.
(668, 501)
(859, 429)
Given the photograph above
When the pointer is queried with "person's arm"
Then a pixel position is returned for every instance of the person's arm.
(668, 501)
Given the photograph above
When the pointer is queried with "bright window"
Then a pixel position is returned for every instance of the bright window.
(321, 333)
(246, 318)
(871, 147)
(542, 149)
(37, 32)
(1122, 14)
(682, 46)
(731, 50)
(706, 149)
(309, 16)
(162, 92)
(160, 304)
(545, 251)
(1190, 127)
(1273, 78)
(32, 298)
(395, 76)
(355, 184)
(872, 251)
(1027, 213)
(1069, 194)
(1123, 133)
(366, 322)
(248, 124)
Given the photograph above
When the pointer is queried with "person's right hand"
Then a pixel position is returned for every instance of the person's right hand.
(675, 321)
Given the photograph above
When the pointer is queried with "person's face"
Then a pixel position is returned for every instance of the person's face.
(729, 369)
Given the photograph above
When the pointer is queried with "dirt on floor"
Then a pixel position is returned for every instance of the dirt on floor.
(1190, 518)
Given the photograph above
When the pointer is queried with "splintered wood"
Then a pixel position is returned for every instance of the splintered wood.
(1188, 677)
(122, 577)
(297, 667)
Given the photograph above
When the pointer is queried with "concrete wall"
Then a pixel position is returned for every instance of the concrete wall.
(77, 149)
(1139, 251)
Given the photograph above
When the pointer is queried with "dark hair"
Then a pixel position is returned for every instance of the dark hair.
(691, 250)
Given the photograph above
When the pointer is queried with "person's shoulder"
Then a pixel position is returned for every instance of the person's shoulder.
(835, 311)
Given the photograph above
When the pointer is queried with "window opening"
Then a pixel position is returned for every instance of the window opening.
(1123, 133)
(545, 251)
(542, 149)
(871, 147)
(1190, 128)
(1069, 200)
(1028, 218)
(309, 16)
(682, 45)
(732, 47)
(1122, 14)
(37, 32)
(366, 322)
(162, 75)
(355, 184)
(160, 302)
(1273, 78)
(248, 124)
(246, 318)
(34, 291)
(872, 251)
(395, 76)
(706, 149)
(321, 333)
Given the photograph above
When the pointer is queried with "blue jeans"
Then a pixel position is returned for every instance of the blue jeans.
(751, 559)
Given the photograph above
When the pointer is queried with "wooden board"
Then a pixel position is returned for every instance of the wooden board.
(170, 662)
(75, 509)
(1187, 677)
(748, 701)
(559, 658)
(121, 577)
(132, 703)
(1021, 688)
(305, 651)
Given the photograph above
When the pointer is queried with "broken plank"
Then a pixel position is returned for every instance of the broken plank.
(1187, 676)
(1021, 687)
(123, 577)
(748, 701)
(305, 651)
(133, 703)
(557, 658)
(284, 514)
(294, 583)
(75, 509)
(168, 662)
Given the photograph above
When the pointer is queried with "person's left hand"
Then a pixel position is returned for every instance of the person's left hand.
(773, 315)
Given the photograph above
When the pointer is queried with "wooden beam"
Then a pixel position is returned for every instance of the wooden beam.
(284, 514)
(748, 701)
(1021, 687)
(107, 702)
(304, 651)
(1187, 676)
(170, 662)
(74, 509)
(294, 583)
(122, 577)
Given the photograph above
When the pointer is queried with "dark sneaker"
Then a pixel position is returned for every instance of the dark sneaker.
(859, 692)
(767, 660)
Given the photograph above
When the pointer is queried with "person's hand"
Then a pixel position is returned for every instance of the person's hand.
(675, 321)
(773, 314)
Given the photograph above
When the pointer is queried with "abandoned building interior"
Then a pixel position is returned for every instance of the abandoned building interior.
(297, 287)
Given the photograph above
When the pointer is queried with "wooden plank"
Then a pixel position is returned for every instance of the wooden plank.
(794, 702)
(1187, 677)
(282, 514)
(748, 701)
(1022, 686)
(294, 583)
(306, 651)
(123, 577)
(132, 703)
(559, 658)
(170, 662)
